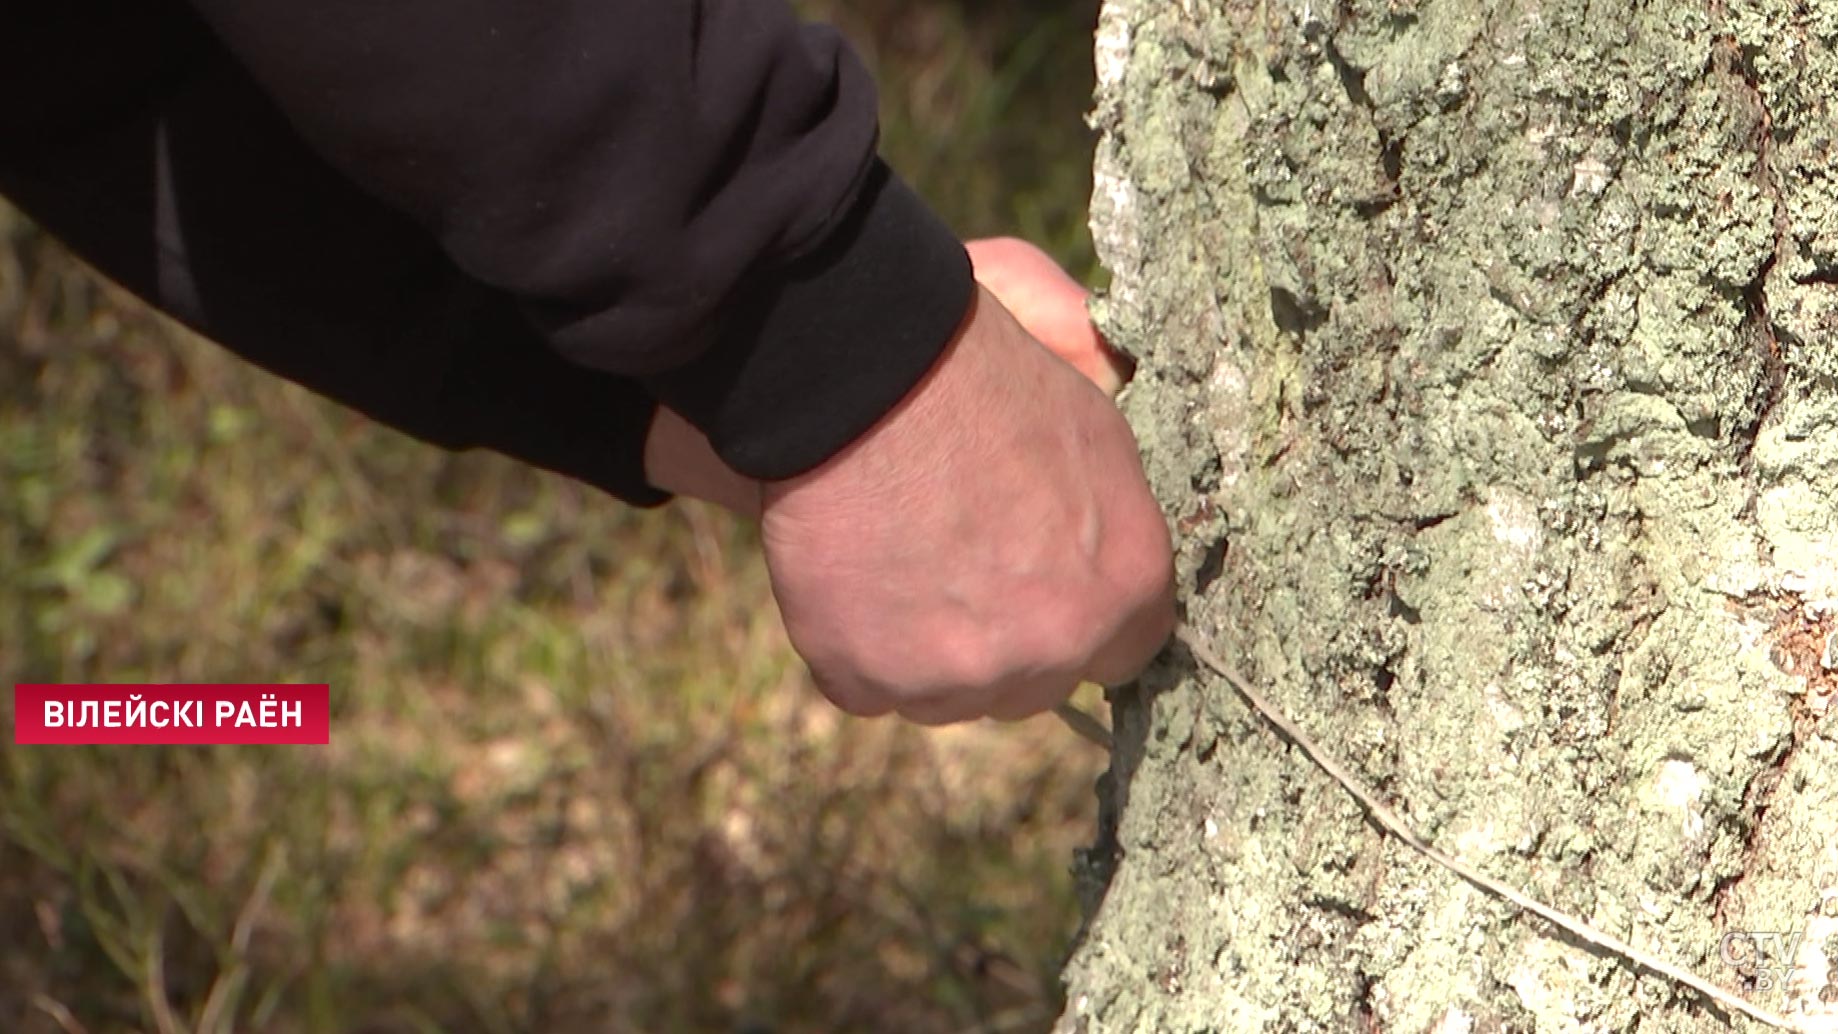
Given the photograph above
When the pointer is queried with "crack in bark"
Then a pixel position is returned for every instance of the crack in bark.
(1731, 59)
(1758, 322)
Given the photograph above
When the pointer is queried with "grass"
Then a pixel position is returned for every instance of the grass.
(577, 780)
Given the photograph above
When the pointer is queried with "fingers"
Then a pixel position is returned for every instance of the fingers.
(1102, 365)
(1119, 660)
(1141, 639)
(1034, 697)
(1008, 702)
(1011, 700)
(853, 699)
(943, 711)
(1018, 699)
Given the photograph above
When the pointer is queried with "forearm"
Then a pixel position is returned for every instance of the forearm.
(198, 196)
(686, 193)
(417, 208)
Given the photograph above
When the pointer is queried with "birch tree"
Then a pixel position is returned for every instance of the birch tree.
(1488, 353)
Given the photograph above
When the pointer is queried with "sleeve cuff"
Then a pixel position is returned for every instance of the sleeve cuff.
(811, 355)
(505, 393)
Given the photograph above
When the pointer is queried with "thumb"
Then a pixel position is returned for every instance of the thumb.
(1049, 305)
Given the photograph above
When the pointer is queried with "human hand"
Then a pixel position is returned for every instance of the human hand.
(1050, 305)
(984, 548)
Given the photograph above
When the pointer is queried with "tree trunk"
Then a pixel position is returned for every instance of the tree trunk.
(1489, 371)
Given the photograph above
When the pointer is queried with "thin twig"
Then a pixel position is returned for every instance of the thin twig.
(1084, 724)
(1394, 824)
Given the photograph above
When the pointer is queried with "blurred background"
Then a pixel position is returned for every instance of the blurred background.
(577, 781)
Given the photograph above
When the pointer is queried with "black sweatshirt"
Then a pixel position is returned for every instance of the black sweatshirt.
(498, 223)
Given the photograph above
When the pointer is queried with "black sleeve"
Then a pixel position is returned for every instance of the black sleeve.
(684, 191)
(152, 154)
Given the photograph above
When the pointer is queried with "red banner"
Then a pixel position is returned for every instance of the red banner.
(171, 713)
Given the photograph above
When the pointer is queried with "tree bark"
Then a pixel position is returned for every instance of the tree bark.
(1489, 373)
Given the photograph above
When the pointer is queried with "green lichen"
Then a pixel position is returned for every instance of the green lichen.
(1488, 375)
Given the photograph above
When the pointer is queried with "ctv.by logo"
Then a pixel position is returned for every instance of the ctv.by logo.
(1771, 958)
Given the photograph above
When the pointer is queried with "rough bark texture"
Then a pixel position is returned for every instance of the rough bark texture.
(1490, 374)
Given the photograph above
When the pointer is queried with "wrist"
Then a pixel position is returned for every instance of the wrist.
(953, 426)
(679, 460)
(811, 353)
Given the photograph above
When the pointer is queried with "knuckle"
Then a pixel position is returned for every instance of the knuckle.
(940, 711)
(968, 666)
(1042, 694)
(1145, 570)
(970, 656)
(1062, 623)
(1084, 630)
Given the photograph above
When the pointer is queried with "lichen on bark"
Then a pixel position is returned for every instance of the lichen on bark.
(1489, 376)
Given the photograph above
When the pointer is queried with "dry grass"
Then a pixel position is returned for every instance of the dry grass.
(577, 781)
